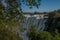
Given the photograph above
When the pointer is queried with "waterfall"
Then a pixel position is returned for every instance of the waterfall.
(39, 23)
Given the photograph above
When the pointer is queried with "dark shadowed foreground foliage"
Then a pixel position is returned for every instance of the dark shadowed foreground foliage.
(34, 34)
(11, 17)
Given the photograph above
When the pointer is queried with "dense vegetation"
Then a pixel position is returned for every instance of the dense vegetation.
(11, 17)
(53, 21)
(51, 31)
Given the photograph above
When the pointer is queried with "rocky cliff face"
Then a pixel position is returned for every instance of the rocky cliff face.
(53, 22)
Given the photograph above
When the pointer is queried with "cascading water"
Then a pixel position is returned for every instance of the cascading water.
(39, 23)
(37, 19)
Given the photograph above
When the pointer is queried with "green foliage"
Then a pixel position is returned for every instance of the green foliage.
(8, 35)
(11, 17)
(45, 35)
(31, 3)
(51, 14)
(58, 10)
(39, 35)
(9, 24)
(8, 30)
(34, 34)
(58, 24)
(57, 36)
(53, 22)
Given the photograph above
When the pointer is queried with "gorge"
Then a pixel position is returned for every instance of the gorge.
(38, 20)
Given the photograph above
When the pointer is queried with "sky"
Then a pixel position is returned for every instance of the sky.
(46, 6)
